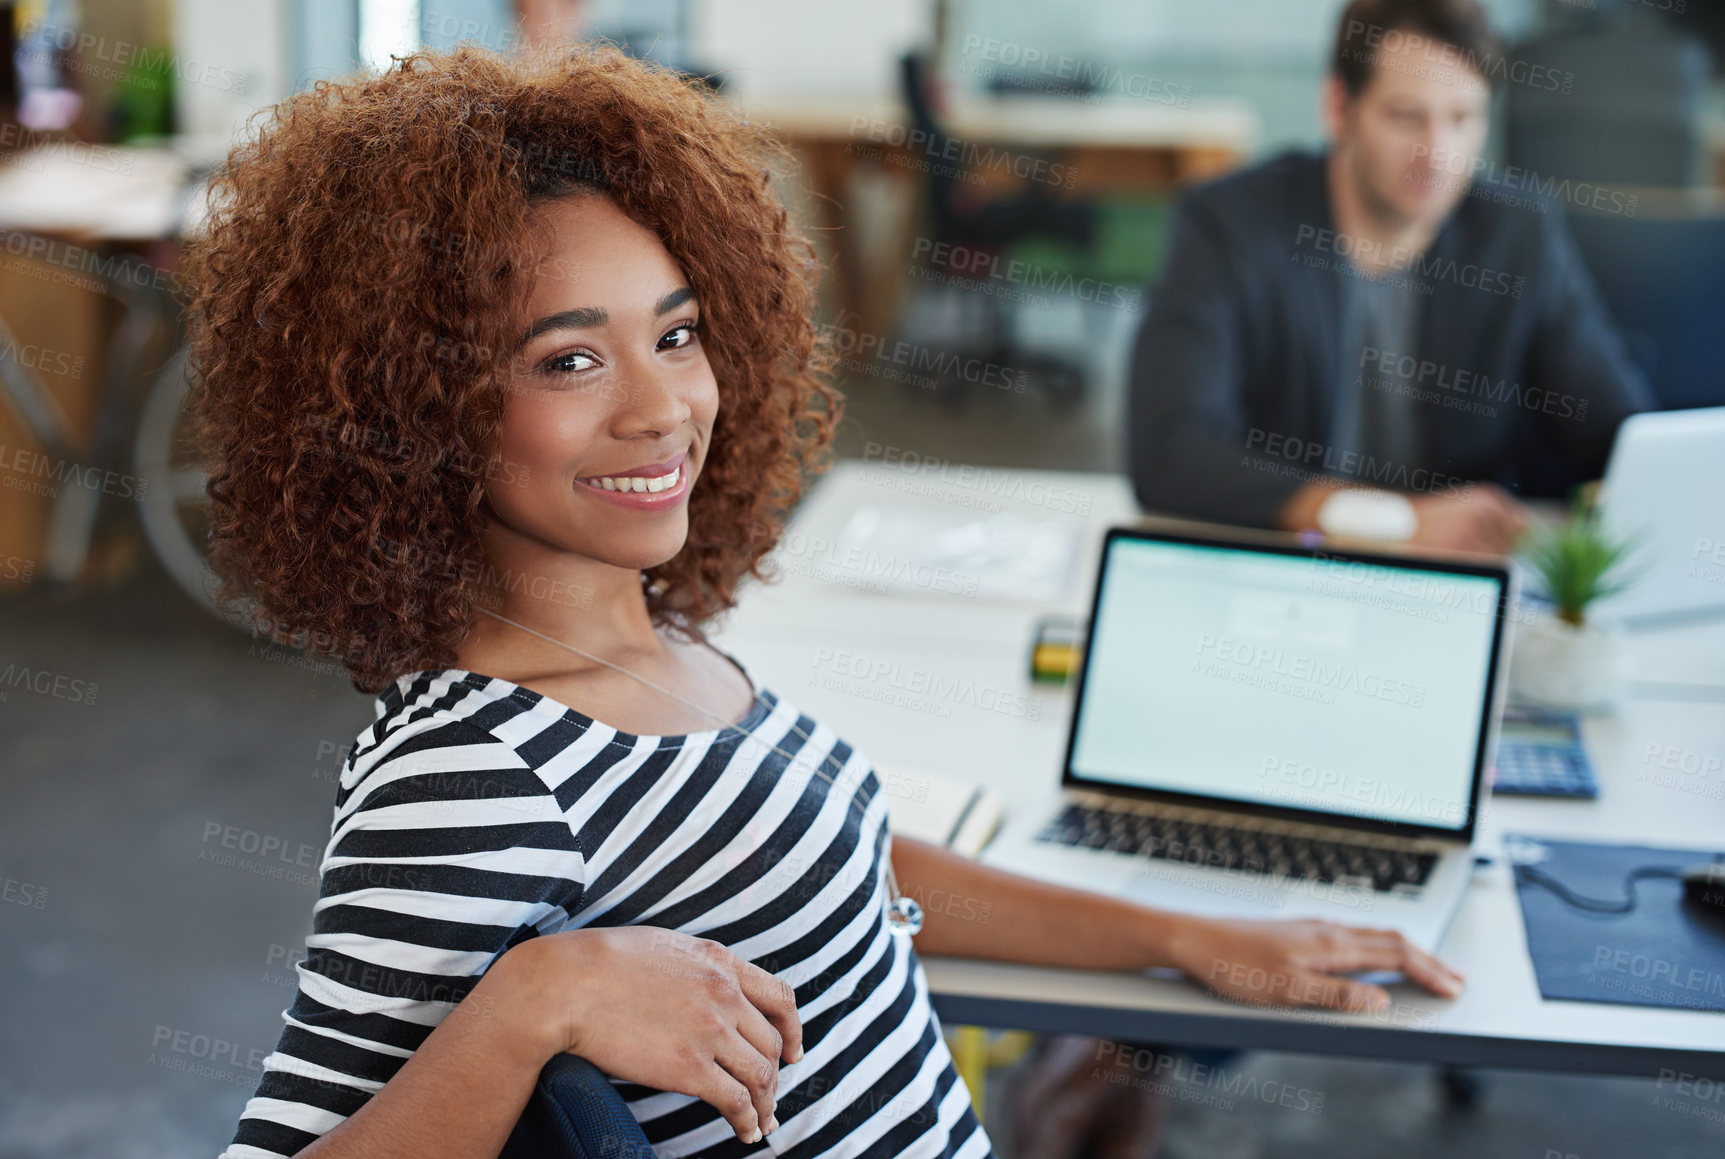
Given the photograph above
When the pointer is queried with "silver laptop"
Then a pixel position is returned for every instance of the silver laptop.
(1666, 483)
(1275, 731)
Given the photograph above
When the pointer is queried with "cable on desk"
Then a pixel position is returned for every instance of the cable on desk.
(1529, 874)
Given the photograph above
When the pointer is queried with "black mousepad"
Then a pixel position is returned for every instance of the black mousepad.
(1665, 952)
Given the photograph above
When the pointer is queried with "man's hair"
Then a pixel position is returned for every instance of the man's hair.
(1367, 25)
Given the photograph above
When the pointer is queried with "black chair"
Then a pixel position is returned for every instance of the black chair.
(1634, 112)
(575, 1113)
(1663, 279)
(1633, 119)
(960, 216)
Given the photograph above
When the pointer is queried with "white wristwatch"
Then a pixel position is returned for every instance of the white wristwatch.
(1360, 513)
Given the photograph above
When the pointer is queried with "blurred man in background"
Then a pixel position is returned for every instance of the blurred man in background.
(1355, 342)
(550, 21)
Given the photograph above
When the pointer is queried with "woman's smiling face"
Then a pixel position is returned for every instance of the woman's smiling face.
(611, 399)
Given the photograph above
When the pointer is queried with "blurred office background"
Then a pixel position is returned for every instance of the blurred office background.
(117, 937)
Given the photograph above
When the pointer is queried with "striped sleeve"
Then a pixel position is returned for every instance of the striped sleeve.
(446, 850)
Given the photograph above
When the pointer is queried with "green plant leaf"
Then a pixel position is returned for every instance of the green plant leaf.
(1579, 563)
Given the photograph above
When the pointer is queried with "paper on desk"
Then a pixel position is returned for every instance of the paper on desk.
(1002, 555)
(959, 814)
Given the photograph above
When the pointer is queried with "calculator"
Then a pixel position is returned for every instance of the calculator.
(1540, 754)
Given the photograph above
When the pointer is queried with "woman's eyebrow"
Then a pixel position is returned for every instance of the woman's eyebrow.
(590, 317)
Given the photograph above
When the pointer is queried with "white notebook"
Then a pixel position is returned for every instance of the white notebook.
(1004, 555)
(941, 810)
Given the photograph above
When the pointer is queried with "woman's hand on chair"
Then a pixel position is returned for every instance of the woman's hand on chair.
(667, 1010)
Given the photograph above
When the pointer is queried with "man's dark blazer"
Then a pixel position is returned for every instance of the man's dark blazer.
(1237, 367)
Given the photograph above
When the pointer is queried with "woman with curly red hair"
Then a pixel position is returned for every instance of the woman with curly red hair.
(507, 376)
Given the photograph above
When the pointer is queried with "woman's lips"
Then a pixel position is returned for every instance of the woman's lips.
(619, 488)
(650, 470)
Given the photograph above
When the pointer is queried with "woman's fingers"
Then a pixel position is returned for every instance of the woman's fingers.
(758, 1074)
(760, 1033)
(721, 1090)
(1334, 993)
(777, 1001)
(1294, 986)
(1354, 948)
(1425, 969)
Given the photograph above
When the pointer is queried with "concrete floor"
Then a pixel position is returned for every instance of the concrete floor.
(145, 961)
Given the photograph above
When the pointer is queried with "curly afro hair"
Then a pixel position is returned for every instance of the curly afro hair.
(364, 261)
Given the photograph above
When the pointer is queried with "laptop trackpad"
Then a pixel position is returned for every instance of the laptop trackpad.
(1206, 892)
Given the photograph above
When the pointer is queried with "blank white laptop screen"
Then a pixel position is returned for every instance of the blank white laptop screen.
(1309, 683)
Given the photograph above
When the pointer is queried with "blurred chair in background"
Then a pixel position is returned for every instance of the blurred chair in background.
(1634, 113)
(960, 213)
(1634, 117)
(1662, 279)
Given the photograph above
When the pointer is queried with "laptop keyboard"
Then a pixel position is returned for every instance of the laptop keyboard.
(1263, 851)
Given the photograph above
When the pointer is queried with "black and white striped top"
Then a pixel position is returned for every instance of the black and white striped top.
(474, 814)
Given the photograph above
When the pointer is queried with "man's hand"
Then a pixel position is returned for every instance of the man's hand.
(1483, 518)
(1295, 963)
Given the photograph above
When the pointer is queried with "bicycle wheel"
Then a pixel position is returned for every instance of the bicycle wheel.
(173, 506)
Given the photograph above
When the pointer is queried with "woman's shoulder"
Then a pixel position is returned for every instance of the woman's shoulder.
(440, 706)
(430, 726)
(431, 782)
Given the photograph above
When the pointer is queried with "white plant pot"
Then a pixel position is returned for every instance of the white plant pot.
(1557, 665)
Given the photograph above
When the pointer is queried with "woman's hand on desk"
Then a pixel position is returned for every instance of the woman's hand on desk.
(1294, 963)
(664, 1009)
(979, 911)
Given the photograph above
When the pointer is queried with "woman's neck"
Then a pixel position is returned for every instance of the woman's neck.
(597, 607)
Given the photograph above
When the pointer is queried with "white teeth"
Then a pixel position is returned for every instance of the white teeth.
(637, 482)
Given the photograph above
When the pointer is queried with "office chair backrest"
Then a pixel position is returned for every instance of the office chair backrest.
(1664, 282)
(1618, 103)
(576, 1113)
(958, 211)
(1661, 281)
(942, 175)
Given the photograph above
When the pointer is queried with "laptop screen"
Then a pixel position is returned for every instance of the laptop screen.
(1303, 680)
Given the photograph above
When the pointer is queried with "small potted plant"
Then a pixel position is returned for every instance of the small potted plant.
(1572, 657)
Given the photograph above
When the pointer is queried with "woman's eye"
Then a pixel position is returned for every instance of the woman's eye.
(569, 363)
(671, 336)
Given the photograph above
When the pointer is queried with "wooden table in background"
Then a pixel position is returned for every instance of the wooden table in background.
(1108, 147)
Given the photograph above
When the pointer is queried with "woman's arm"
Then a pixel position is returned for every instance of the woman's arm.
(971, 910)
(976, 911)
(425, 884)
(461, 1092)
(645, 1004)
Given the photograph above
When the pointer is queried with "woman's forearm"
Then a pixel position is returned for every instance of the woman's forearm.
(461, 1092)
(976, 911)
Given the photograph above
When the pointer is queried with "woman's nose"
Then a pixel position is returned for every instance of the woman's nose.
(652, 399)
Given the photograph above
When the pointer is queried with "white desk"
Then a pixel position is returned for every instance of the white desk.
(791, 633)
